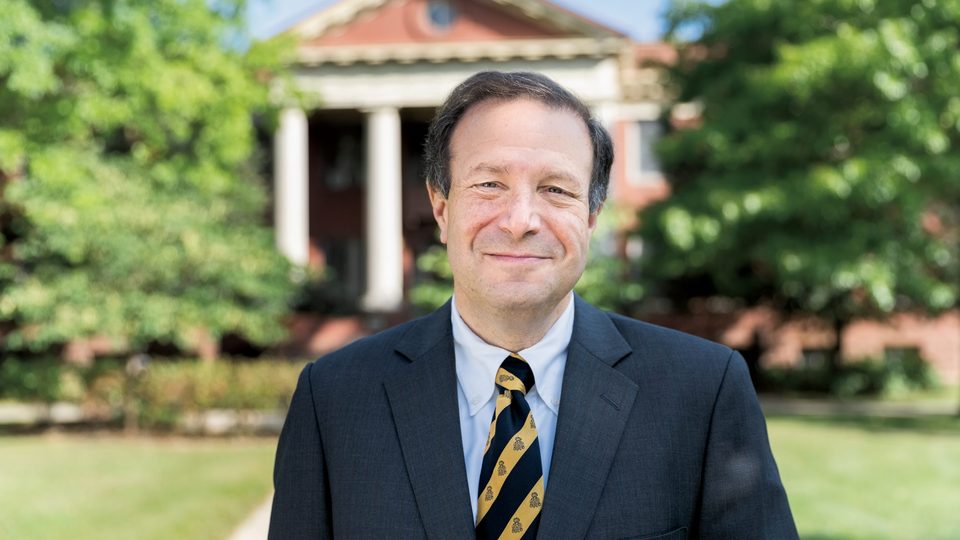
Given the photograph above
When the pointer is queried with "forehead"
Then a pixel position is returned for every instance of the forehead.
(521, 129)
(494, 112)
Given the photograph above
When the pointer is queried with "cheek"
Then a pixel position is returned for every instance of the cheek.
(459, 239)
(575, 235)
(472, 227)
(485, 236)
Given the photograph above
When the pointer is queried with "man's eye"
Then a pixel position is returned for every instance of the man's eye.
(487, 184)
(555, 189)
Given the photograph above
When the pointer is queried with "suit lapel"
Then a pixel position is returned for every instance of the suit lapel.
(423, 400)
(595, 402)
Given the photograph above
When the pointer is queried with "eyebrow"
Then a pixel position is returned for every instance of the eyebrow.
(500, 170)
(560, 175)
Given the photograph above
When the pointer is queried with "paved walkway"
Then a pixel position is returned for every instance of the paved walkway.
(804, 407)
(256, 525)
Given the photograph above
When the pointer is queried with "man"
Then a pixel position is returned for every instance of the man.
(518, 410)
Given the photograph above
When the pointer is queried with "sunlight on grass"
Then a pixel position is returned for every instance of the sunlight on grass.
(871, 479)
(847, 479)
(58, 487)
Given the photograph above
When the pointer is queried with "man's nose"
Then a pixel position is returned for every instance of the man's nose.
(521, 217)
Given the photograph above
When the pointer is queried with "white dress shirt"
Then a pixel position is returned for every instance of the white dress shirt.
(477, 362)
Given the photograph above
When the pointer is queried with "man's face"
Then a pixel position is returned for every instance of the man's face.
(517, 222)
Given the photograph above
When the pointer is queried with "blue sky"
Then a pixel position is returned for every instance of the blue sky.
(640, 19)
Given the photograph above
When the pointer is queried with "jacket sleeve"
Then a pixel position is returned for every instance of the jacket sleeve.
(742, 496)
(301, 500)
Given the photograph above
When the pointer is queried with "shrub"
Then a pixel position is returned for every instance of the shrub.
(163, 394)
(170, 389)
(105, 387)
(37, 379)
(436, 286)
(893, 375)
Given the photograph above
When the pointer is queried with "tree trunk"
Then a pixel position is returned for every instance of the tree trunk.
(751, 355)
(835, 357)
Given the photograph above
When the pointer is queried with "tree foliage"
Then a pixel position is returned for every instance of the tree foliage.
(131, 206)
(823, 175)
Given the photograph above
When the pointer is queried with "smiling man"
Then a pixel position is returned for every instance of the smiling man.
(517, 410)
(516, 216)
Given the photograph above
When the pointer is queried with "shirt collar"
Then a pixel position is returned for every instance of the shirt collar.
(477, 361)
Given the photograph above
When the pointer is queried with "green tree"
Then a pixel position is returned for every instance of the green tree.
(130, 202)
(822, 174)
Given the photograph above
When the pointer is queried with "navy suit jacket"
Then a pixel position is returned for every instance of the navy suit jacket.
(659, 436)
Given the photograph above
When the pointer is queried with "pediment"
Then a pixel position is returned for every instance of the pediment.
(359, 23)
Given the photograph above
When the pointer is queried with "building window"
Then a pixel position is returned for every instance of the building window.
(908, 362)
(643, 166)
(814, 358)
(441, 15)
(650, 133)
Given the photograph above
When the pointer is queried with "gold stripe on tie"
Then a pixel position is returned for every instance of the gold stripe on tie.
(528, 511)
(503, 401)
(508, 381)
(511, 495)
(505, 463)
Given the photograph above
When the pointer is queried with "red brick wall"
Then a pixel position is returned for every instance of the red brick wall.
(783, 340)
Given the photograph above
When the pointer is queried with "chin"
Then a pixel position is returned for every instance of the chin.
(518, 296)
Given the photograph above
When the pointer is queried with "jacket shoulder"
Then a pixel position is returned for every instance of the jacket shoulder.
(675, 365)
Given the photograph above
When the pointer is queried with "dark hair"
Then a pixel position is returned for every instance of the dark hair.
(496, 85)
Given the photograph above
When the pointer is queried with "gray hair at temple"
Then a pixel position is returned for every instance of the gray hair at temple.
(496, 85)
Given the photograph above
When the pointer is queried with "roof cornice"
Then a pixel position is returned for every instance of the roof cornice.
(560, 18)
(407, 53)
(336, 15)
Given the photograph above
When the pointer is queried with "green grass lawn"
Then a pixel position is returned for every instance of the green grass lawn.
(846, 479)
(856, 478)
(79, 487)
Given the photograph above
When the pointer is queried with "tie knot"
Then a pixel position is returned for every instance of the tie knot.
(515, 374)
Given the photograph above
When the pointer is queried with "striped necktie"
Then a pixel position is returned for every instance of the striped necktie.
(511, 478)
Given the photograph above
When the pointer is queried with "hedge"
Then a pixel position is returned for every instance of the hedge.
(163, 394)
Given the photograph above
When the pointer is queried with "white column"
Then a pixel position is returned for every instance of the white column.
(384, 235)
(291, 203)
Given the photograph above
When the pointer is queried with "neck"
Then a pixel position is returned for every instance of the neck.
(513, 329)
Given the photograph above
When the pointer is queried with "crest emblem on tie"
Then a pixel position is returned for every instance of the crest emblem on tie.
(504, 377)
(518, 444)
(534, 500)
(517, 527)
(501, 469)
(532, 424)
(489, 494)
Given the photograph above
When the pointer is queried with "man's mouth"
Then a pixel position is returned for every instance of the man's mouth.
(516, 257)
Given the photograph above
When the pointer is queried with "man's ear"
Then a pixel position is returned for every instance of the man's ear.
(592, 219)
(439, 204)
